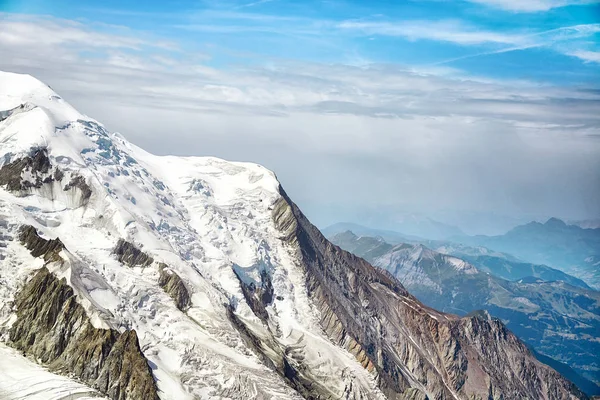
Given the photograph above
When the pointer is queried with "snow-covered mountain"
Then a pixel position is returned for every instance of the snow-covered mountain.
(148, 277)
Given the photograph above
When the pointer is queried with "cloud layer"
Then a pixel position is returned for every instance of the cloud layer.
(341, 138)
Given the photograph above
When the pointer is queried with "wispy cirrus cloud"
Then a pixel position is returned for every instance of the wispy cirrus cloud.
(531, 5)
(27, 30)
(446, 31)
(460, 32)
(255, 3)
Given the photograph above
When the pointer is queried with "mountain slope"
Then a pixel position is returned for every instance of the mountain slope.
(514, 270)
(183, 278)
(558, 319)
(374, 242)
(23, 379)
(567, 247)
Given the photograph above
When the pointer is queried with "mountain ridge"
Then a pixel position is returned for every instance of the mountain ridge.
(570, 248)
(230, 290)
(557, 319)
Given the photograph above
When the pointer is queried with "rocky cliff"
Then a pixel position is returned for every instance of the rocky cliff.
(559, 320)
(53, 327)
(415, 351)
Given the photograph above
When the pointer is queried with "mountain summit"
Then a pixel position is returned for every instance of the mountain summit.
(149, 277)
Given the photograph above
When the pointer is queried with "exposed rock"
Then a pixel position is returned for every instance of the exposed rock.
(38, 246)
(77, 181)
(174, 286)
(254, 343)
(37, 164)
(130, 255)
(260, 297)
(126, 373)
(25, 174)
(415, 352)
(52, 327)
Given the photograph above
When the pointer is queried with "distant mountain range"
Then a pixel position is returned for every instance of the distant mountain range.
(586, 223)
(410, 226)
(572, 249)
(565, 248)
(559, 319)
(502, 264)
(388, 235)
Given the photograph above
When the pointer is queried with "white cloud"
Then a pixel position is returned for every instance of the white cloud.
(446, 31)
(30, 31)
(531, 5)
(461, 33)
(352, 136)
(587, 56)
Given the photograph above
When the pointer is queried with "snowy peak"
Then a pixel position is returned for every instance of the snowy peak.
(181, 250)
(206, 271)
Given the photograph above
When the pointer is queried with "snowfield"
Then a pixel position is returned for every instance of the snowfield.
(208, 219)
(21, 378)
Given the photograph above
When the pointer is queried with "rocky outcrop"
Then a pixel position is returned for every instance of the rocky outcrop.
(37, 164)
(281, 360)
(24, 175)
(53, 328)
(258, 297)
(78, 182)
(174, 286)
(415, 352)
(130, 255)
(38, 246)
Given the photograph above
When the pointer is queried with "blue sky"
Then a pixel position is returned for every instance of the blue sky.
(429, 106)
(542, 40)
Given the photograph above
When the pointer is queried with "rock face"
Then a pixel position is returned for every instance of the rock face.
(25, 175)
(40, 247)
(415, 351)
(37, 165)
(258, 296)
(174, 286)
(78, 182)
(557, 319)
(52, 327)
(130, 255)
